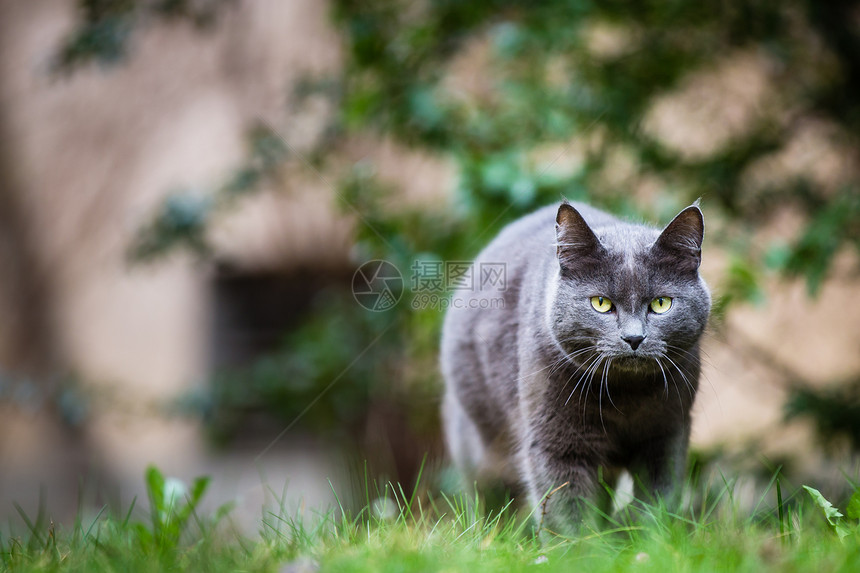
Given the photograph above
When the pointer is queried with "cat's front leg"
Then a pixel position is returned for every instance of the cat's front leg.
(658, 469)
(566, 492)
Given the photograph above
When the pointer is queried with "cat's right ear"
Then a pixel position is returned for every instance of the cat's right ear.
(680, 243)
(576, 243)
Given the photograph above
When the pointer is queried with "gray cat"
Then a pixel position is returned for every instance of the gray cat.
(586, 364)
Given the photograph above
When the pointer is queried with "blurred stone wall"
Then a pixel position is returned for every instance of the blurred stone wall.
(93, 153)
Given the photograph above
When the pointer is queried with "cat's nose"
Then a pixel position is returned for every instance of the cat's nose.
(634, 340)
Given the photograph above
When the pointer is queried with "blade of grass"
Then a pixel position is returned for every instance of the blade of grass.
(780, 509)
(98, 516)
(34, 532)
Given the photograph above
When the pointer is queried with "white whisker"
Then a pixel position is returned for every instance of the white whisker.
(587, 367)
(603, 377)
(566, 382)
(608, 395)
(586, 388)
(665, 380)
(690, 387)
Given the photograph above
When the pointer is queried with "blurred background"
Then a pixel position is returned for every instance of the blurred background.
(187, 188)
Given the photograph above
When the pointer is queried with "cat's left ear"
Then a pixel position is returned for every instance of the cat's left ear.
(680, 243)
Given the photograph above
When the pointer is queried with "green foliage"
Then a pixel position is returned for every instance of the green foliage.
(334, 363)
(106, 27)
(175, 536)
(834, 517)
(853, 508)
(398, 530)
(171, 508)
(835, 411)
(741, 283)
(183, 218)
(546, 84)
(837, 222)
(102, 35)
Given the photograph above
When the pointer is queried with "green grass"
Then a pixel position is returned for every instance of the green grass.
(423, 532)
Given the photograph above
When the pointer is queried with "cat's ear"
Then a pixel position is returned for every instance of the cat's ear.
(680, 243)
(576, 243)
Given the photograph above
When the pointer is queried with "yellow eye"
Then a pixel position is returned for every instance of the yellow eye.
(601, 303)
(661, 304)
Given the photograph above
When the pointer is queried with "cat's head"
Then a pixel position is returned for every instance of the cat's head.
(626, 295)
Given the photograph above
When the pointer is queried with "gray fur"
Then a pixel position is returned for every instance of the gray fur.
(546, 391)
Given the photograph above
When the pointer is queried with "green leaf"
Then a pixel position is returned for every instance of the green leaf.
(155, 489)
(742, 281)
(833, 515)
(777, 256)
(198, 488)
